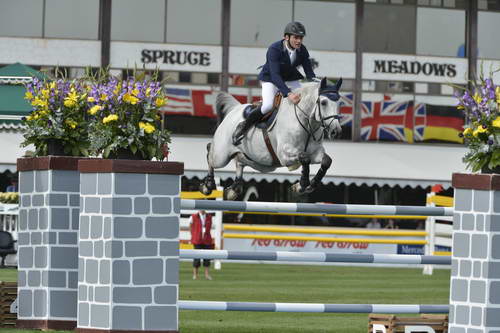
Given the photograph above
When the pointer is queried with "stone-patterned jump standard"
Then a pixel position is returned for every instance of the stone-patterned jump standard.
(129, 246)
(475, 274)
(48, 242)
(315, 257)
(286, 207)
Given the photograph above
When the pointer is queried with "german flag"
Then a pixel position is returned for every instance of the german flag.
(443, 123)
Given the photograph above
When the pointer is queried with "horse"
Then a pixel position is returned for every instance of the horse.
(294, 138)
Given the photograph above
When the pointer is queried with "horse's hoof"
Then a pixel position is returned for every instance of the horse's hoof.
(296, 188)
(310, 189)
(205, 189)
(231, 194)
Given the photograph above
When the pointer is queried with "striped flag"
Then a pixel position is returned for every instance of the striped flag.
(179, 102)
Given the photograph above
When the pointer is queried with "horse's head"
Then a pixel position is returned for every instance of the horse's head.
(327, 111)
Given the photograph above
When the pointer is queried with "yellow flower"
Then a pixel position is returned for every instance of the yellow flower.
(148, 92)
(104, 97)
(160, 101)
(71, 99)
(496, 122)
(39, 102)
(29, 117)
(91, 99)
(111, 117)
(93, 110)
(135, 92)
(477, 98)
(130, 99)
(148, 128)
(460, 107)
(497, 93)
(52, 85)
(117, 89)
(478, 130)
(71, 123)
(467, 131)
(28, 96)
(45, 93)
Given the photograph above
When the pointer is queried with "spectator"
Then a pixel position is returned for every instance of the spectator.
(200, 225)
(373, 224)
(391, 224)
(13, 187)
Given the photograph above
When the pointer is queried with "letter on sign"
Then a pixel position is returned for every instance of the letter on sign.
(419, 329)
(379, 328)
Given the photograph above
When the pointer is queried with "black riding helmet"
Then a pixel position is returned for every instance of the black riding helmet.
(295, 28)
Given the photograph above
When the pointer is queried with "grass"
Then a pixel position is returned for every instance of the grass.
(297, 283)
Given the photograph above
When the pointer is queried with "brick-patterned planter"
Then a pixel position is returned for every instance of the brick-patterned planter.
(475, 275)
(48, 242)
(129, 246)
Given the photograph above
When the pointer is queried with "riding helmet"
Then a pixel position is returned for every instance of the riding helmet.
(295, 28)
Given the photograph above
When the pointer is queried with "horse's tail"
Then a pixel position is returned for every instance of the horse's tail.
(224, 103)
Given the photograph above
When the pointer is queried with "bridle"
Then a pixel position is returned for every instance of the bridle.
(332, 95)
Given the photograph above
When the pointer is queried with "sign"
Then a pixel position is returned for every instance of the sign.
(174, 57)
(378, 66)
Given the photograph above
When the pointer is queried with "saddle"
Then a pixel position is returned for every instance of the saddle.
(266, 124)
(269, 117)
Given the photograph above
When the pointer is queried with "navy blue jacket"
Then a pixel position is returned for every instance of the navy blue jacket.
(278, 68)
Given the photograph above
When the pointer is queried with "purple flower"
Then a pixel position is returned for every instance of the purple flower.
(490, 142)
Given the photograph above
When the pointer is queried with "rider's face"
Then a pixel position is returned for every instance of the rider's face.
(294, 40)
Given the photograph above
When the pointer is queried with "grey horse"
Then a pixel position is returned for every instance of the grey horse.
(295, 138)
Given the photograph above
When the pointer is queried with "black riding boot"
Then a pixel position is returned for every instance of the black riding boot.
(243, 127)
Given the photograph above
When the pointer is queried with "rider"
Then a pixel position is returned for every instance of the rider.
(280, 73)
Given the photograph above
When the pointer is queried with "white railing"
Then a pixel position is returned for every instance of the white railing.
(439, 230)
(9, 216)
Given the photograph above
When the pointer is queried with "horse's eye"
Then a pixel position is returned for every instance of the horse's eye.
(324, 103)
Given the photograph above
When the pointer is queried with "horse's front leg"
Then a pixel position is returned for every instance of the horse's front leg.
(303, 183)
(207, 185)
(326, 162)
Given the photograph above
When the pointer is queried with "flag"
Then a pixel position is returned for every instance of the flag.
(179, 102)
(381, 120)
(443, 123)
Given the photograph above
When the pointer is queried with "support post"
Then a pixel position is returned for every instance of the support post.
(475, 274)
(48, 242)
(129, 246)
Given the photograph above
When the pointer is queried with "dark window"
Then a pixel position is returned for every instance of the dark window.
(185, 77)
(213, 78)
(389, 29)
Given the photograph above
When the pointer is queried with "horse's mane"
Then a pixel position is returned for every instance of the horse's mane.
(308, 93)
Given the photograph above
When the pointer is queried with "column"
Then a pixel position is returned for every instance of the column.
(475, 275)
(128, 276)
(48, 242)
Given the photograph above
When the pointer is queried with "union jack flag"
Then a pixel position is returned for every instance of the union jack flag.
(381, 120)
(419, 121)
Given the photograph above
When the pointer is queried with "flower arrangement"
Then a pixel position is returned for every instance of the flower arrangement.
(58, 114)
(9, 197)
(99, 115)
(124, 116)
(482, 130)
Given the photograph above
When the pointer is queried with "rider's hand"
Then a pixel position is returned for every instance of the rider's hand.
(294, 98)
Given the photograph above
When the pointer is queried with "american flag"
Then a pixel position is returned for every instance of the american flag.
(179, 101)
(381, 120)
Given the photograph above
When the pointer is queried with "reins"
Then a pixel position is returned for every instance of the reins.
(309, 129)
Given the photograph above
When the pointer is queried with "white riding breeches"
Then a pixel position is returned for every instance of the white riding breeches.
(269, 90)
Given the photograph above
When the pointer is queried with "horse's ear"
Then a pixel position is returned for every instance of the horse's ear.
(323, 84)
(338, 84)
